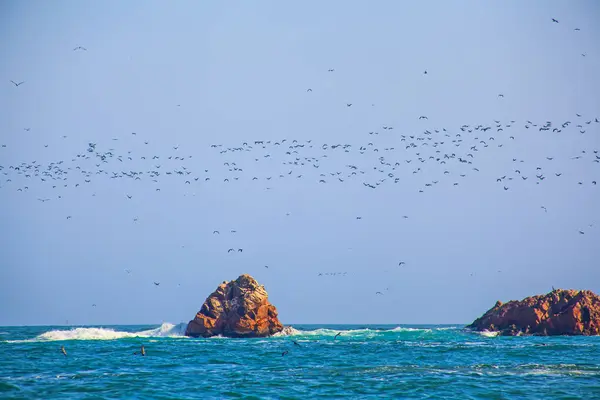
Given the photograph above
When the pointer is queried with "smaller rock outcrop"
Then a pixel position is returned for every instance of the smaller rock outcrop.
(560, 312)
(238, 308)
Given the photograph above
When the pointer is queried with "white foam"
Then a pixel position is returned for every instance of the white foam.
(178, 331)
(165, 330)
(291, 331)
(488, 333)
(288, 331)
(400, 329)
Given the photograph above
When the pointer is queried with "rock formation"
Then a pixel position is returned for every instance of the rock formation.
(238, 309)
(560, 312)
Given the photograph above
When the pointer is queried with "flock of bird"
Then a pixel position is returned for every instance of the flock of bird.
(453, 152)
(384, 156)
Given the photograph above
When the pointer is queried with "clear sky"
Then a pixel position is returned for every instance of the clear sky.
(184, 75)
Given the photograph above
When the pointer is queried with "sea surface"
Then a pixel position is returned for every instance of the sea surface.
(364, 361)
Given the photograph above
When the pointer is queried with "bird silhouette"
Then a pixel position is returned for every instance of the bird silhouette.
(142, 351)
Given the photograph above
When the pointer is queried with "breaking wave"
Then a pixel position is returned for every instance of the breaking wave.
(168, 330)
(291, 331)
(165, 330)
(488, 333)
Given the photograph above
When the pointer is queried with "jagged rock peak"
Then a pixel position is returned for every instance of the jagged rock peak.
(238, 308)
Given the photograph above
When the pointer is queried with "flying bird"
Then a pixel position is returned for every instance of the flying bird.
(17, 84)
(80, 48)
(554, 20)
(156, 283)
(62, 350)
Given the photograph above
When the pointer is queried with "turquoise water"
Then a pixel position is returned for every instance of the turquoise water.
(375, 361)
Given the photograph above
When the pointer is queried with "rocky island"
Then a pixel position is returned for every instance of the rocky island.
(238, 309)
(560, 312)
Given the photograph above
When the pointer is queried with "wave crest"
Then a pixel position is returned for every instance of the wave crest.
(489, 333)
(291, 331)
(168, 330)
(165, 330)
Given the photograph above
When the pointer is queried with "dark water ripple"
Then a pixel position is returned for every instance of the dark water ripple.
(365, 362)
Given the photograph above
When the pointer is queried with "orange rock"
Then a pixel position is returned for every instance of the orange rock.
(560, 312)
(237, 308)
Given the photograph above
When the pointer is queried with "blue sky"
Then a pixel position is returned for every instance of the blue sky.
(186, 75)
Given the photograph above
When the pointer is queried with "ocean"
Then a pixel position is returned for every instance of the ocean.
(363, 362)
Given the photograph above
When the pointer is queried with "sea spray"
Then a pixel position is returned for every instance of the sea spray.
(96, 333)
